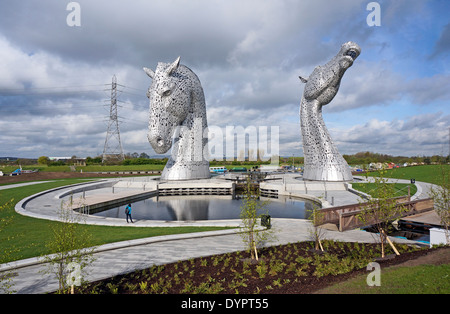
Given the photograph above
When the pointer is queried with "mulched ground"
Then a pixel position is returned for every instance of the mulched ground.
(286, 269)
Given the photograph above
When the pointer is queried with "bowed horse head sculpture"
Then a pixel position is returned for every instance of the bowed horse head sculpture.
(178, 120)
(323, 162)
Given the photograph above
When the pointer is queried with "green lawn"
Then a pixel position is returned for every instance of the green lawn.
(26, 237)
(399, 188)
(424, 279)
(93, 168)
(428, 173)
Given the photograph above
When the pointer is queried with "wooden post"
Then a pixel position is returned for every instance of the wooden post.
(320, 243)
(390, 242)
(256, 251)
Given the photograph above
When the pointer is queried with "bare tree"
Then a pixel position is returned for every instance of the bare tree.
(316, 232)
(441, 196)
(251, 206)
(71, 248)
(381, 211)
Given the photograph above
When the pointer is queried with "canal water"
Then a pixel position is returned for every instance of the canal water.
(207, 207)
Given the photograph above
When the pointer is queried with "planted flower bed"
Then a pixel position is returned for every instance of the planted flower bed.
(291, 268)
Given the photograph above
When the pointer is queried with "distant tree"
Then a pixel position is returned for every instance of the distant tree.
(43, 160)
(95, 160)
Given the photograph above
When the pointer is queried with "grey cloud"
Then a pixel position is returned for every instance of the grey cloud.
(205, 32)
(367, 84)
(429, 90)
(417, 135)
(442, 46)
(247, 54)
(425, 121)
(376, 84)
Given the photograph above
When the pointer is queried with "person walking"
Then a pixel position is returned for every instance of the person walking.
(128, 212)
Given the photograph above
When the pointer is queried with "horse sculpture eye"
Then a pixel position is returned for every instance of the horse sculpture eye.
(167, 93)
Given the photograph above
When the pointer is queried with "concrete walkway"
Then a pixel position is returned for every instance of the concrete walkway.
(17, 185)
(123, 257)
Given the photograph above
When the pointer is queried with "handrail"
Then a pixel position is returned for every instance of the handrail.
(346, 216)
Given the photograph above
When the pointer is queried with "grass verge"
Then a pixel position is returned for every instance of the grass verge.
(25, 237)
(423, 279)
(428, 173)
(400, 189)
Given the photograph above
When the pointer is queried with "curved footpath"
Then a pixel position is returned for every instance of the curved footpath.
(122, 257)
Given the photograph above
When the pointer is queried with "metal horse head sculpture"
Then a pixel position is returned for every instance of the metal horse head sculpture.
(178, 120)
(323, 162)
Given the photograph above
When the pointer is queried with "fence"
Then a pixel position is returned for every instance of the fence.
(346, 217)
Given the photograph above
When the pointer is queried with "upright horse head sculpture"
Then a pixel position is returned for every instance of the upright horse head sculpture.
(178, 119)
(323, 162)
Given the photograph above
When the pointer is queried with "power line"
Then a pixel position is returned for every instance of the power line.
(69, 107)
(48, 87)
(135, 120)
(113, 146)
(48, 91)
(138, 89)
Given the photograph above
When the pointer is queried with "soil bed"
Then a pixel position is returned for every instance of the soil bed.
(286, 269)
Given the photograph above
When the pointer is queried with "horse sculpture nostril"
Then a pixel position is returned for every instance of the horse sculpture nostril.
(159, 142)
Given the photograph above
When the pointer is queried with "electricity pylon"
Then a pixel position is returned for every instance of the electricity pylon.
(113, 151)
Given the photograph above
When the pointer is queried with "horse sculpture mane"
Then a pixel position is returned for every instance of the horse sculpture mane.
(178, 120)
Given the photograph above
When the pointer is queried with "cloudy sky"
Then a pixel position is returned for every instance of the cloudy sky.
(248, 55)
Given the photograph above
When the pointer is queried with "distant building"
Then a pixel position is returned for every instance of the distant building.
(58, 158)
(76, 161)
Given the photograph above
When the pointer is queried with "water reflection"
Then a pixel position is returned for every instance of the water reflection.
(205, 207)
(180, 208)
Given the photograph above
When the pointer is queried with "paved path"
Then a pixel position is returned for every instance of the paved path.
(16, 185)
(423, 188)
(123, 257)
(128, 256)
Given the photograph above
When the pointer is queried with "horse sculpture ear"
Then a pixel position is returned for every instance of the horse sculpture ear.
(304, 80)
(149, 72)
(173, 66)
